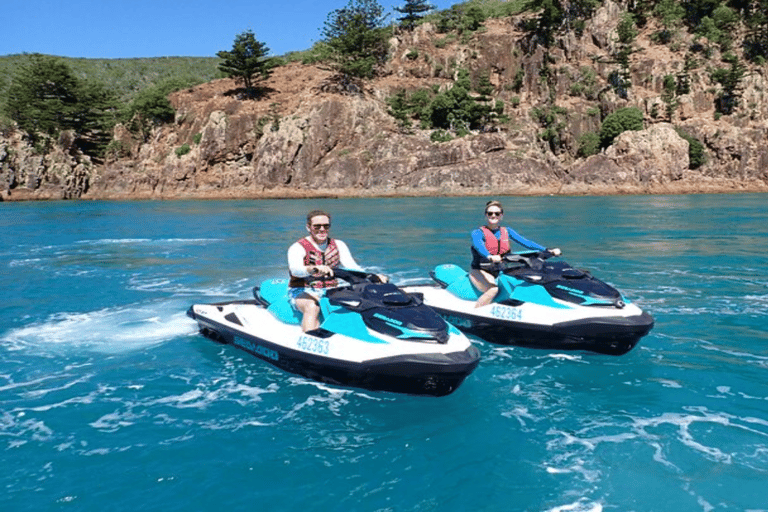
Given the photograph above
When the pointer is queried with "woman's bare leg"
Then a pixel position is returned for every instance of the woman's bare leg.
(484, 282)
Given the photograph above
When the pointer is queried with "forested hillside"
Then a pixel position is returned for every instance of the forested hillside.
(124, 76)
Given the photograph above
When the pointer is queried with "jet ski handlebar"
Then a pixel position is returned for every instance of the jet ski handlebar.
(368, 291)
(355, 276)
(531, 259)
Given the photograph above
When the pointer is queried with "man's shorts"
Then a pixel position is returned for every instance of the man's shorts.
(294, 293)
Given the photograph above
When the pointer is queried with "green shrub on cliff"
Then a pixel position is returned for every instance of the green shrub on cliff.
(455, 109)
(400, 109)
(696, 154)
(151, 106)
(553, 120)
(589, 144)
(440, 135)
(117, 149)
(628, 118)
(6, 125)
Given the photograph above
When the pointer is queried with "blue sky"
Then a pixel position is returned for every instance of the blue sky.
(165, 28)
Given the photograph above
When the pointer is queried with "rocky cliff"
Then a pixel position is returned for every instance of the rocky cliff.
(307, 136)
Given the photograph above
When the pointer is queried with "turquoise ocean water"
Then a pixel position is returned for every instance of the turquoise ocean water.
(110, 400)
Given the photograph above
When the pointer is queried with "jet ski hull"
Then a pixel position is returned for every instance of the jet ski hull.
(376, 363)
(603, 335)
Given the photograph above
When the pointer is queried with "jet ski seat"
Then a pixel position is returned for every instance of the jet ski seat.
(456, 280)
(275, 293)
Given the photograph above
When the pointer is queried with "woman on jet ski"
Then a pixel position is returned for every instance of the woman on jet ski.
(489, 244)
(311, 261)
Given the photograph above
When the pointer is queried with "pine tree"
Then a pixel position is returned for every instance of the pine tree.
(669, 96)
(413, 10)
(756, 40)
(549, 21)
(731, 81)
(45, 98)
(354, 36)
(246, 60)
(42, 97)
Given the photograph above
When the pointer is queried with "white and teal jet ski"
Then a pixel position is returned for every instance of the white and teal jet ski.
(372, 336)
(540, 304)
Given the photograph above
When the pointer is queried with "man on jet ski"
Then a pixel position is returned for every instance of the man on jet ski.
(489, 244)
(311, 261)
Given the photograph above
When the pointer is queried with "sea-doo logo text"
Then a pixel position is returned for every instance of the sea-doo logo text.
(387, 319)
(572, 291)
(257, 349)
(457, 321)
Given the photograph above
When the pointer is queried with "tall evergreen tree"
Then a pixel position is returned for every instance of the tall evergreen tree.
(549, 21)
(247, 59)
(756, 40)
(730, 80)
(98, 115)
(42, 97)
(413, 11)
(46, 98)
(355, 37)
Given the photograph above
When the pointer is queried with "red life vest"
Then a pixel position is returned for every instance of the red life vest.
(495, 245)
(313, 256)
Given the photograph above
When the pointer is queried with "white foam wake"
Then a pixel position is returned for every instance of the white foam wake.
(112, 330)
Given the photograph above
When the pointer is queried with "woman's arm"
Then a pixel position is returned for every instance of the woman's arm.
(478, 242)
(520, 239)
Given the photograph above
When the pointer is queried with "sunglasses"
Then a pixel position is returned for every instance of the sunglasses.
(318, 227)
(494, 214)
